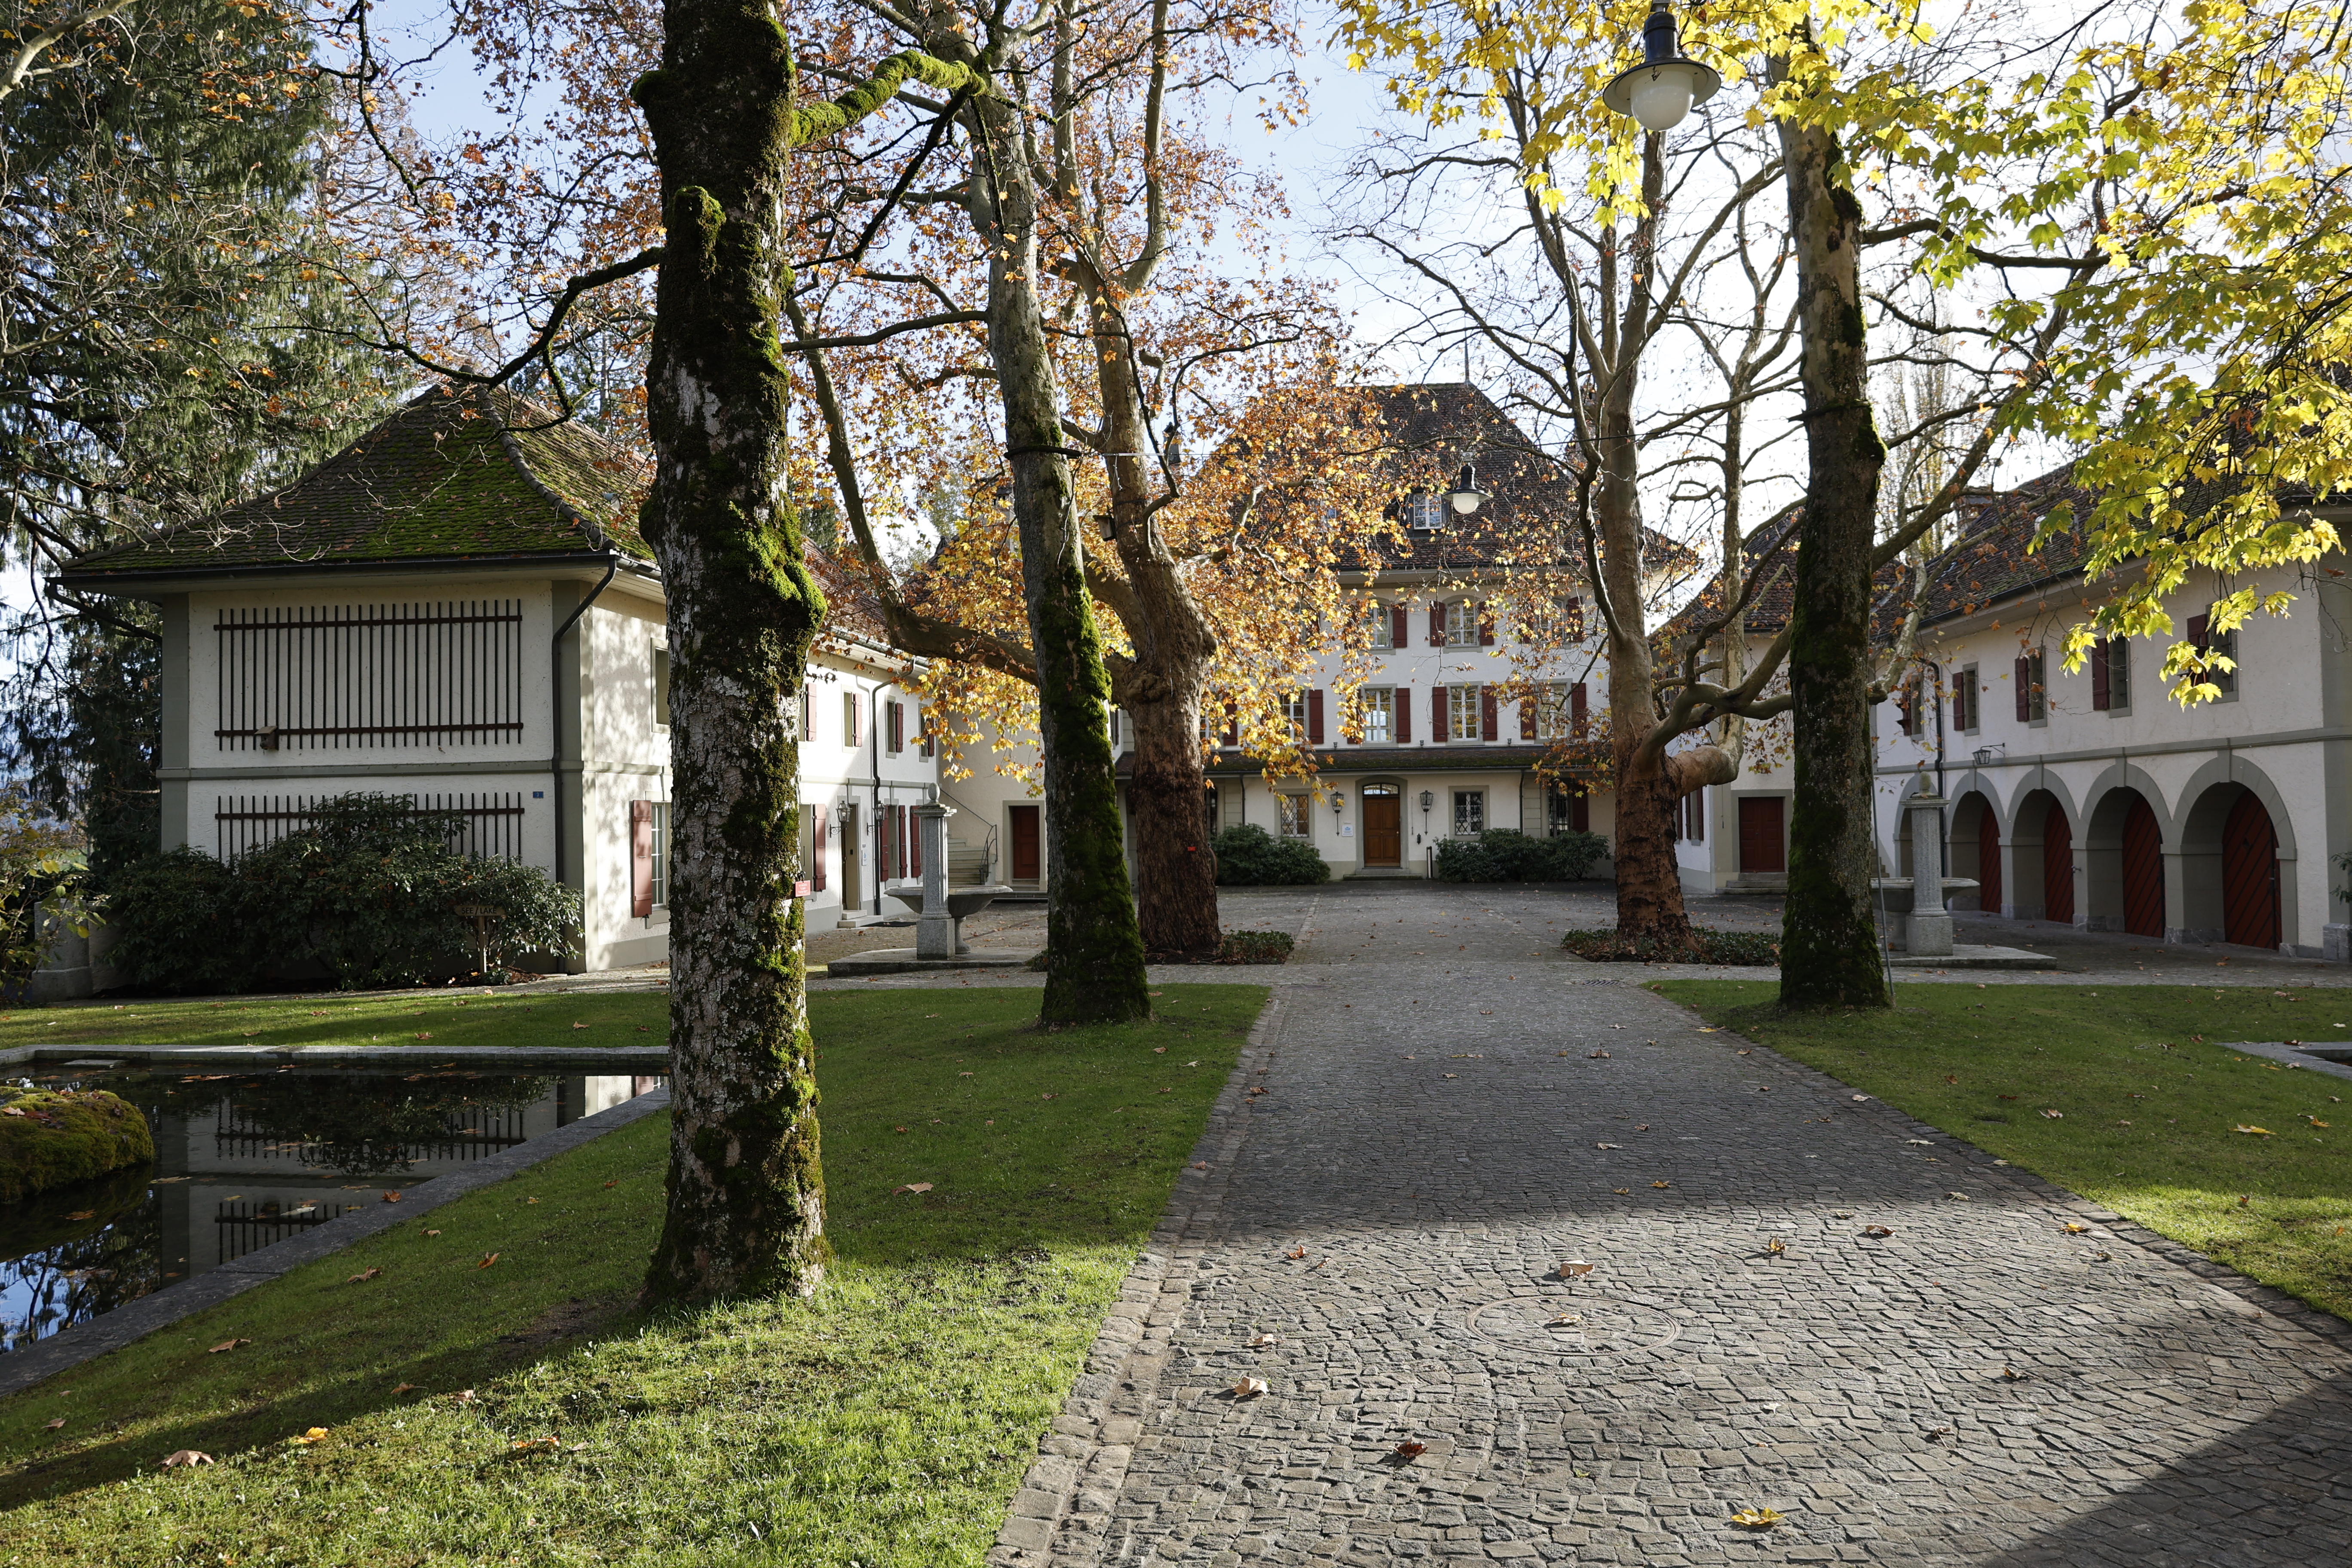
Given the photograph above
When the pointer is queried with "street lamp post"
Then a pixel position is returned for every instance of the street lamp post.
(1829, 946)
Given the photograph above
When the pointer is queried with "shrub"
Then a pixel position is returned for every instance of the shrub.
(1707, 946)
(42, 869)
(1507, 854)
(1250, 856)
(368, 888)
(178, 934)
(1256, 947)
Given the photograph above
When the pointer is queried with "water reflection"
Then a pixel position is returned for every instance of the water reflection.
(245, 1160)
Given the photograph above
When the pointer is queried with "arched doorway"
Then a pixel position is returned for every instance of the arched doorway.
(1976, 847)
(2249, 881)
(2143, 868)
(2057, 865)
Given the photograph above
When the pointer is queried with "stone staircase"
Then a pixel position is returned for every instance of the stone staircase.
(967, 864)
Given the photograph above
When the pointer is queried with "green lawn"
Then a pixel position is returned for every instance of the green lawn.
(887, 1421)
(451, 1019)
(2148, 1103)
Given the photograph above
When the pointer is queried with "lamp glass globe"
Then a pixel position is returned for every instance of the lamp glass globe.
(1661, 99)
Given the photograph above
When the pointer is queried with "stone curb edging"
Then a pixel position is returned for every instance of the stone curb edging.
(136, 1320)
(1061, 1515)
(2256, 1296)
(638, 1058)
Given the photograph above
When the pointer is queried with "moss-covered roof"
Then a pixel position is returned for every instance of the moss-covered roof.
(455, 474)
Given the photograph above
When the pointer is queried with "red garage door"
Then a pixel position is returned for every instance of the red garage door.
(2143, 872)
(2250, 899)
(2057, 865)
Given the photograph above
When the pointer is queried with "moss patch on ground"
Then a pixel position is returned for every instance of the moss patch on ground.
(51, 1137)
(2149, 1101)
(476, 1017)
(886, 1421)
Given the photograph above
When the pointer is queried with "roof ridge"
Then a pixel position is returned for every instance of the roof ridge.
(588, 527)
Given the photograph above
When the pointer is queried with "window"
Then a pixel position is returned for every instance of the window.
(2032, 700)
(1550, 700)
(894, 721)
(1907, 707)
(1964, 701)
(1462, 713)
(1695, 815)
(661, 684)
(661, 855)
(1469, 813)
(1298, 812)
(1383, 625)
(1567, 809)
(2111, 676)
(1462, 624)
(1425, 511)
(1294, 708)
(338, 676)
(2223, 644)
(849, 716)
(1379, 715)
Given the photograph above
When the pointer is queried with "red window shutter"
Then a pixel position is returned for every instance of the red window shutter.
(641, 857)
(815, 866)
(1487, 728)
(1233, 724)
(1437, 730)
(897, 728)
(1436, 626)
(1400, 634)
(906, 854)
(923, 729)
(2024, 678)
(1403, 708)
(914, 844)
(1527, 714)
(1572, 611)
(2101, 692)
(882, 845)
(1576, 713)
(1580, 806)
(1486, 631)
(1314, 717)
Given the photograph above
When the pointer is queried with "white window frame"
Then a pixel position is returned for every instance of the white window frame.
(1553, 700)
(659, 874)
(1425, 511)
(1460, 700)
(1475, 801)
(1294, 708)
(1461, 622)
(1383, 629)
(1295, 816)
(1378, 707)
(849, 717)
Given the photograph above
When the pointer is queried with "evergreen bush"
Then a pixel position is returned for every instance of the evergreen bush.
(1250, 856)
(1507, 854)
(368, 888)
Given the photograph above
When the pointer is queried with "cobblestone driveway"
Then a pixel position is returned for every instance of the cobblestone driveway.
(1446, 1117)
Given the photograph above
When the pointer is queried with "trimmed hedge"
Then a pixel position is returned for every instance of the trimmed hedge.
(1250, 856)
(51, 1137)
(1709, 946)
(1507, 854)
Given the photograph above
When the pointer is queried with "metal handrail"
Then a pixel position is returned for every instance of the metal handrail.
(987, 844)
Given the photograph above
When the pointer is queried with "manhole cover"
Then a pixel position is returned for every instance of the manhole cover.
(1571, 1323)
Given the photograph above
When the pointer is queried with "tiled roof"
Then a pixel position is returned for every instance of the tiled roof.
(474, 474)
(1432, 429)
(1407, 758)
(1992, 561)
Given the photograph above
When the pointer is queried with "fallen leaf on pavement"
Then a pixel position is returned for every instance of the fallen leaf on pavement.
(1861, 1096)
(1566, 1320)
(1411, 1450)
(1249, 1388)
(1662, 1183)
(1775, 1246)
(1574, 1269)
(226, 1345)
(1962, 1196)
(1879, 1230)
(1296, 1252)
(1923, 1143)
(188, 1456)
(1265, 1340)
(1597, 1055)
(1756, 1517)
(1623, 1192)
(392, 1197)
(364, 1275)
(2072, 1228)
(911, 1187)
(1609, 1145)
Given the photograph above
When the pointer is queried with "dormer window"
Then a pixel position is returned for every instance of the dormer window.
(1425, 513)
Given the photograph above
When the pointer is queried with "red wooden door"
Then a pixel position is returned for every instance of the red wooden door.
(1384, 829)
(1025, 843)
(2057, 865)
(2143, 872)
(1761, 845)
(2250, 899)
(1988, 862)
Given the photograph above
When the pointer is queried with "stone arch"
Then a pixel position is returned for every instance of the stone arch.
(2042, 881)
(1974, 832)
(2113, 856)
(2197, 858)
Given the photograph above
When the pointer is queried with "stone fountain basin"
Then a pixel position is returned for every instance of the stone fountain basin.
(960, 901)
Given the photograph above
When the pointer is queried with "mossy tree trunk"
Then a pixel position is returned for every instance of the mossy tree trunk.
(1829, 943)
(746, 1193)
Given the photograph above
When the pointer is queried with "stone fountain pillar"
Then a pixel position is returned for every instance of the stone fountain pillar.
(935, 932)
(1927, 930)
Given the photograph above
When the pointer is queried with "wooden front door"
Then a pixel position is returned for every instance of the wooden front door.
(1023, 856)
(2057, 865)
(2143, 872)
(2250, 897)
(1762, 846)
(1988, 862)
(1383, 828)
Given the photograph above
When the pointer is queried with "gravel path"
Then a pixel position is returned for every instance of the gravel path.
(1450, 1108)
